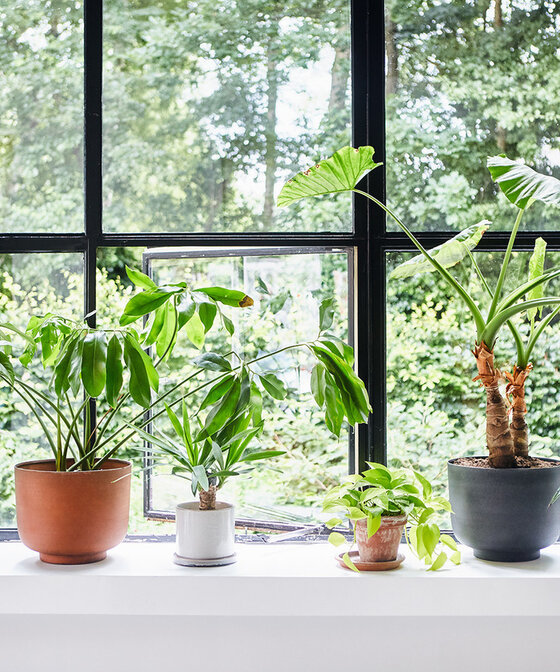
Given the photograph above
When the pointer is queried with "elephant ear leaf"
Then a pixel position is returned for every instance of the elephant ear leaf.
(522, 185)
(341, 172)
(448, 254)
(536, 269)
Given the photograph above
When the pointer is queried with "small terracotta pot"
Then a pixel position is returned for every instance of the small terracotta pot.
(73, 517)
(384, 544)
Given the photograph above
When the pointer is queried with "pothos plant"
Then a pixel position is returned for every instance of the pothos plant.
(121, 365)
(506, 432)
(379, 492)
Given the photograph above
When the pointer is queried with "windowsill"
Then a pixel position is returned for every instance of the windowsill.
(273, 580)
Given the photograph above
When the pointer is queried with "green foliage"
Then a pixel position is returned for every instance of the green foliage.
(379, 492)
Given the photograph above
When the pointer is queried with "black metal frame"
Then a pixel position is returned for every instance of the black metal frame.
(369, 239)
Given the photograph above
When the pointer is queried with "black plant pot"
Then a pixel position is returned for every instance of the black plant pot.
(504, 514)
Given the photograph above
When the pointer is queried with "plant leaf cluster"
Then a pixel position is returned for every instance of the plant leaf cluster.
(380, 491)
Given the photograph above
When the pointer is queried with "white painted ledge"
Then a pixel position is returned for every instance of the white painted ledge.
(141, 579)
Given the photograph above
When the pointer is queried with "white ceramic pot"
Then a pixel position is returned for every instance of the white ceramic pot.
(205, 537)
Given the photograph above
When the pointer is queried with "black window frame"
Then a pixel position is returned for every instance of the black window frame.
(369, 239)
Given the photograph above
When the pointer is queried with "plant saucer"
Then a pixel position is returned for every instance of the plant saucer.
(195, 562)
(370, 566)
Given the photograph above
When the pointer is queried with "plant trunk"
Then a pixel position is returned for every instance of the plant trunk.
(392, 79)
(208, 499)
(515, 389)
(498, 435)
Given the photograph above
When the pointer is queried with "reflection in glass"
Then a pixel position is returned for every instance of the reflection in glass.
(287, 290)
(210, 106)
(468, 80)
(41, 116)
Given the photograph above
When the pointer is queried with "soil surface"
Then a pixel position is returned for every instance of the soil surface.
(522, 462)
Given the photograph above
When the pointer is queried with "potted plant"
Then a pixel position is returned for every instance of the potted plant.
(502, 503)
(69, 522)
(379, 503)
(73, 507)
(215, 440)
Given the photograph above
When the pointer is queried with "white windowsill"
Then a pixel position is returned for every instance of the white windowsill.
(273, 580)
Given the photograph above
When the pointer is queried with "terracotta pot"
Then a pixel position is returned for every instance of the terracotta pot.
(73, 517)
(384, 544)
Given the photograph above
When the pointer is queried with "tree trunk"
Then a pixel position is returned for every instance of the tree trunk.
(207, 499)
(501, 138)
(340, 74)
(498, 435)
(498, 16)
(518, 426)
(270, 135)
(392, 77)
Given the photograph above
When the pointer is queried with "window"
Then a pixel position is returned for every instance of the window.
(196, 112)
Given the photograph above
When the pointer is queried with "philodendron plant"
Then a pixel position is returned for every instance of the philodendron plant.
(120, 366)
(379, 492)
(506, 434)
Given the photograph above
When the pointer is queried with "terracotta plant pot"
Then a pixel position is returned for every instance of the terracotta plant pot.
(384, 544)
(73, 517)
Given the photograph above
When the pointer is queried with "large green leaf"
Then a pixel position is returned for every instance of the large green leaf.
(144, 303)
(140, 279)
(448, 254)
(229, 297)
(340, 172)
(114, 371)
(94, 357)
(6, 364)
(536, 269)
(139, 384)
(522, 185)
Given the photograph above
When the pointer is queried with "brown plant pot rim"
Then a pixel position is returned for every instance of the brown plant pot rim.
(387, 521)
(112, 464)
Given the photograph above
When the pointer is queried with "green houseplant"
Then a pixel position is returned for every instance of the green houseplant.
(496, 478)
(214, 440)
(113, 367)
(379, 503)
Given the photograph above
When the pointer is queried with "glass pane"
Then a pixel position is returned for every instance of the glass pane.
(41, 116)
(467, 80)
(293, 487)
(30, 284)
(211, 105)
(434, 409)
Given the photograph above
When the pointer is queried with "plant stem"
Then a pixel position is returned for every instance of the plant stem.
(505, 263)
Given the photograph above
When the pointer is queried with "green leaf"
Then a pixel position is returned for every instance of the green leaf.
(341, 172)
(426, 485)
(333, 522)
(326, 314)
(348, 562)
(438, 562)
(228, 324)
(522, 185)
(144, 303)
(273, 385)
(448, 541)
(256, 403)
(455, 558)
(261, 286)
(114, 370)
(430, 537)
(177, 426)
(201, 476)
(262, 455)
(94, 356)
(536, 269)
(217, 391)
(448, 254)
(318, 384)
(151, 371)
(63, 367)
(157, 326)
(6, 364)
(220, 413)
(185, 311)
(373, 524)
(140, 279)
(195, 331)
(212, 362)
(139, 384)
(229, 297)
(207, 313)
(337, 539)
